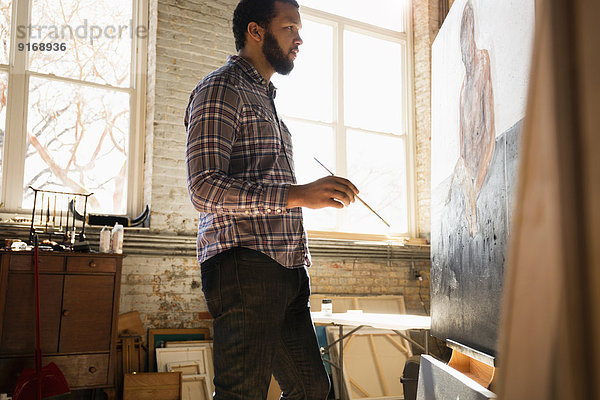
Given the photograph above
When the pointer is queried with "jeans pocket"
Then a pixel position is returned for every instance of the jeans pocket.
(211, 287)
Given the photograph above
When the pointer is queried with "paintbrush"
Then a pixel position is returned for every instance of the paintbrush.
(42, 211)
(67, 222)
(54, 213)
(359, 199)
(47, 214)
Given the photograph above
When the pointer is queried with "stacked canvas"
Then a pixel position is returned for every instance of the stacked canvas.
(194, 360)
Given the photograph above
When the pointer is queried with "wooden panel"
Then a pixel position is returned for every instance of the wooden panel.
(18, 330)
(87, 313)
(474, 369)
(130, 324)
(82, 370)
(551, 320)
(91, 264)
(48, 262)
(152, 386)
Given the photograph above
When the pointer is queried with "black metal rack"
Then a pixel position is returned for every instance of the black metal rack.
(46, 215)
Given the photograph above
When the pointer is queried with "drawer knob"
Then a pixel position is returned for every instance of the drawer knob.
(66, 313)
(92, 369)
(92, 264)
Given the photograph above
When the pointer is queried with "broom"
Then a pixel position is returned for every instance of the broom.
(43, 382)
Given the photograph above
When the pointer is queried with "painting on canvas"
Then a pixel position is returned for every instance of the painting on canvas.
(480, 73)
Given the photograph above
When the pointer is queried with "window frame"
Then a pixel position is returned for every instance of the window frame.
(339, 25)
(15, 135)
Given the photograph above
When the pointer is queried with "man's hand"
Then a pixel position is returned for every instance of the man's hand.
(331, 191)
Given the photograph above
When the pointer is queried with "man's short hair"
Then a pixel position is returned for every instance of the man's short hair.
(259, 11)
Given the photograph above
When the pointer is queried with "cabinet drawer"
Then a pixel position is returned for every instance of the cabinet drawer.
(82, 370)
(48, 262)
(91, 264)
(79, 370)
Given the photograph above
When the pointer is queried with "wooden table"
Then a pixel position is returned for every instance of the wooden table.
(394, 322)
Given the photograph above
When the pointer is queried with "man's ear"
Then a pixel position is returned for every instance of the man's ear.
(255, 31)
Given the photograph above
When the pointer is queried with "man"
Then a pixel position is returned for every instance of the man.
(251, 241)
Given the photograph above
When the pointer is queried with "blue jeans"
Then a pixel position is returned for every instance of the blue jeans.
(262, 326)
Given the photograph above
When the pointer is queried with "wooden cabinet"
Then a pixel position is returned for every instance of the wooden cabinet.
(79, 295)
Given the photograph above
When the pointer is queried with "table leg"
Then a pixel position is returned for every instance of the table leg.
(426, 340)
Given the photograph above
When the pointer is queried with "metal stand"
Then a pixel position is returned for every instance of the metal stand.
(49, 224)
(339, 366)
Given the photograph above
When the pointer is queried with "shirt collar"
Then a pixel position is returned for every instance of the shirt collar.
(253, 73)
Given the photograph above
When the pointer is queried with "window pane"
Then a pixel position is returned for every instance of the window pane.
(97, 35)
(3, 90)
(377, 166)
(308, 91)
(384, 13)
(5, 12)
(312, 140)
(78, 142)
(373, 84)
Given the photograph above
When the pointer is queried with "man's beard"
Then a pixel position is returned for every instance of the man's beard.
(275, 55)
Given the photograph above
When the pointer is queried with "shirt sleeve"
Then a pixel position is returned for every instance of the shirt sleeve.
(212, 119)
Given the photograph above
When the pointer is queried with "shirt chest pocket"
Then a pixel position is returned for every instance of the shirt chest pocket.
(260, 132)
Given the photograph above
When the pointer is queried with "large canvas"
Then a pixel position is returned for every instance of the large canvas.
(480, 70)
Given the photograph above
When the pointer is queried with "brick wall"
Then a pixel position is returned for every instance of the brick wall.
(192, 39)
(425, 27)
(366, 277)
(189, 39)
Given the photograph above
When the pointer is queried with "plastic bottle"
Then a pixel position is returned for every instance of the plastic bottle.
(117, 239)
(105, 240)
(327, 307)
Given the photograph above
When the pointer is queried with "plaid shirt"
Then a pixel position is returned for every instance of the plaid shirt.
(240, 167)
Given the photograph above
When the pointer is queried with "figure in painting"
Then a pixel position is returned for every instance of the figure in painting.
(477, 133)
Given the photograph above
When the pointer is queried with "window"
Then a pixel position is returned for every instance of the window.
(72, 89)
(348, 103)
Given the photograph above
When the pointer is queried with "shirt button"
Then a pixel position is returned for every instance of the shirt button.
(269, 210)
(278, 211)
